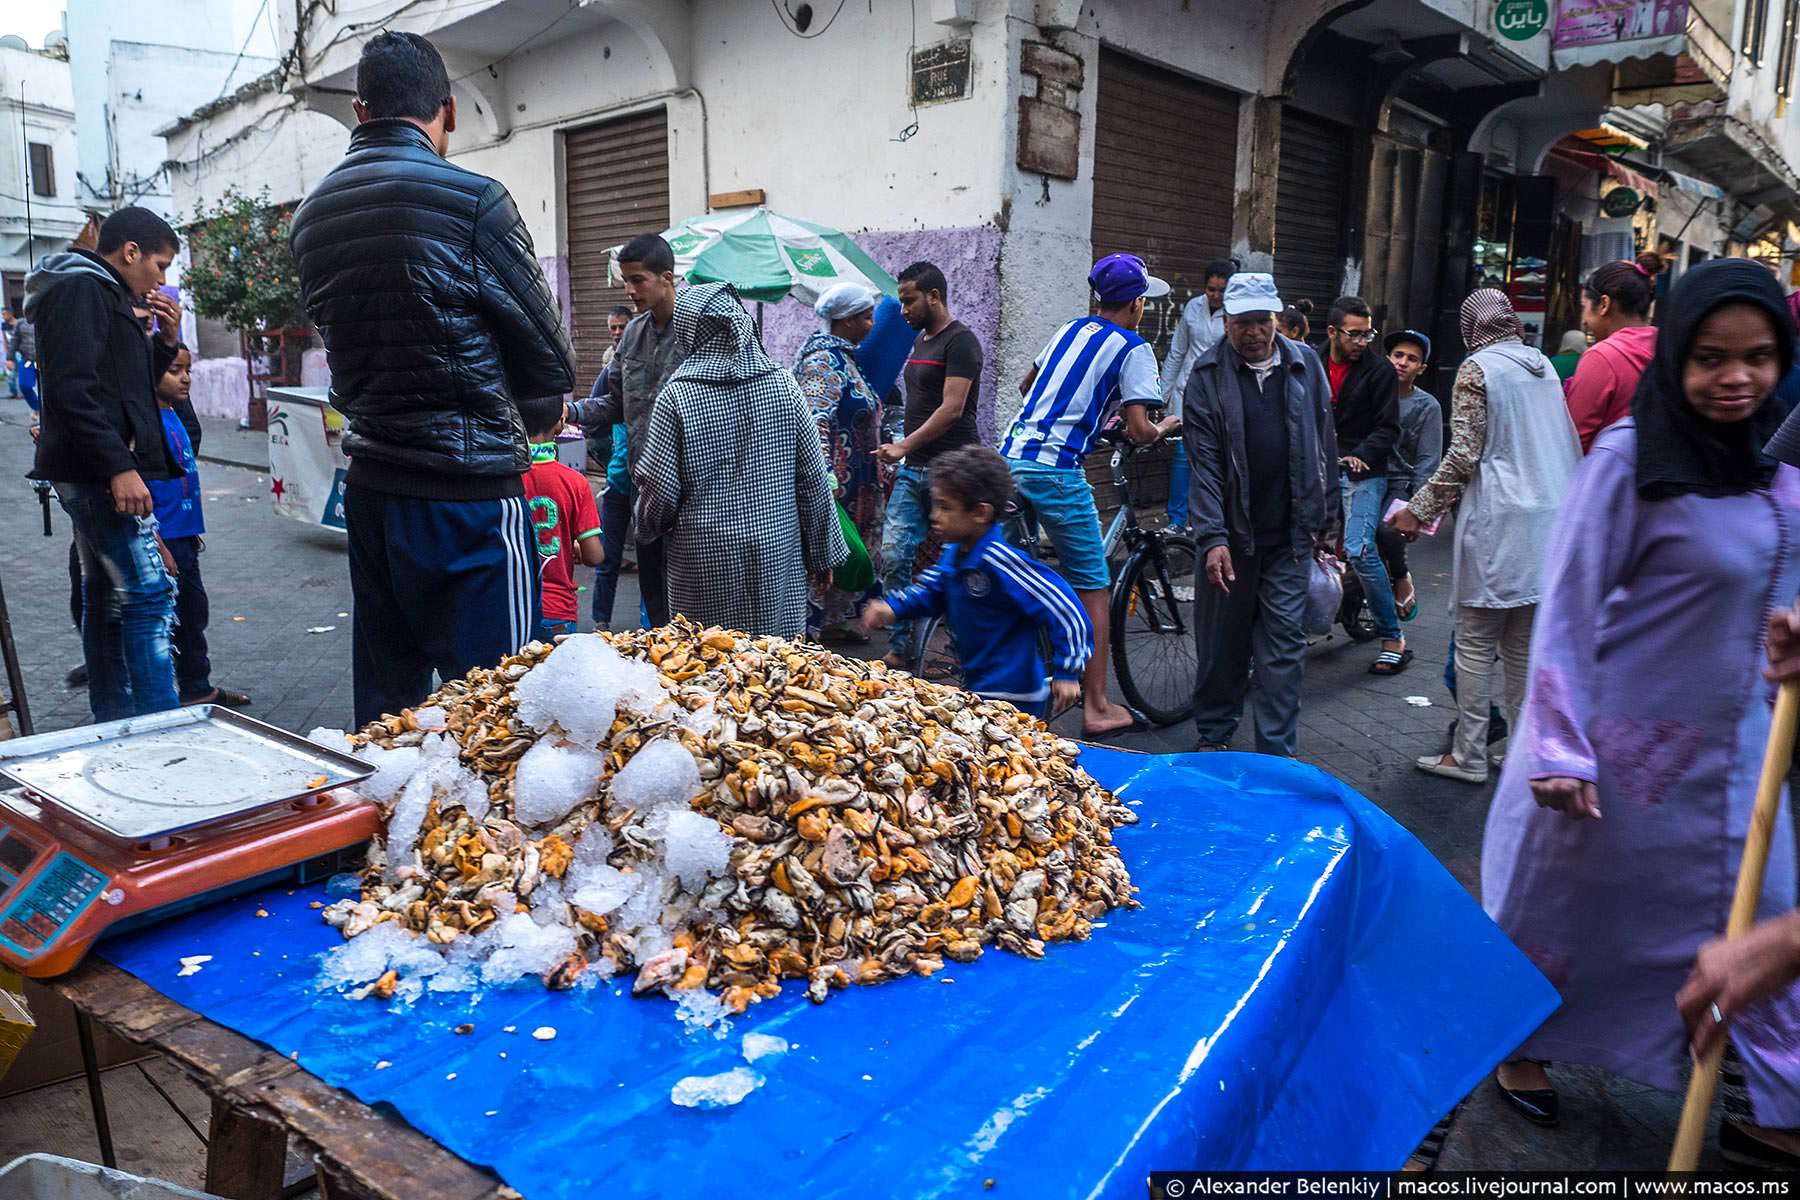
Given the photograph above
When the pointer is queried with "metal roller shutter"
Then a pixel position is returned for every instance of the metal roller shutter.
(1312, 194)
(1165, 158)
(616, 186)
(1165, 165)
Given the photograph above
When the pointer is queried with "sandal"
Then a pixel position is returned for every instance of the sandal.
(1410, 609)
(1391, 662)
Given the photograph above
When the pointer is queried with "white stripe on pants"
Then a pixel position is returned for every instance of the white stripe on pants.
(1484, 635)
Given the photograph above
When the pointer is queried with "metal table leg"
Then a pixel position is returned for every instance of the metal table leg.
(90, 1065)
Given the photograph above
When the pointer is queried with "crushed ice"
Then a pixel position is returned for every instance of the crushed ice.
(715, 1091)
(758, 1046)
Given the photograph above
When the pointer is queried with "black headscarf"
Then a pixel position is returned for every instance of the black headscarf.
(1679, 451)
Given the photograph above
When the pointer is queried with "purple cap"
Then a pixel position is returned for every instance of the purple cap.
(1122, 278)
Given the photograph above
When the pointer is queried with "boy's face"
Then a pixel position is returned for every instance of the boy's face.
(177, 380)
(953, 522)
(1409, 363)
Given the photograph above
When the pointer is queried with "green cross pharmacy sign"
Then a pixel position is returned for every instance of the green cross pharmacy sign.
(1521, 19)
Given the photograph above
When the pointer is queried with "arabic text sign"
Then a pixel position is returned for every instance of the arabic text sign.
(1598, 22)
(1518, 20)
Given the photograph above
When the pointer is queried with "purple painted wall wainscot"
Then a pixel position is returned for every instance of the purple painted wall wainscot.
(970, 260)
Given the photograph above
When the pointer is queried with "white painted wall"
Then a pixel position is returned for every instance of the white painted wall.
(47, 116)
(1752, 97)
(148, 86)
(267, 142)
(220, 26)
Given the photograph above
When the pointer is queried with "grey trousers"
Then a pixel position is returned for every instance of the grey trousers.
(1264, 615)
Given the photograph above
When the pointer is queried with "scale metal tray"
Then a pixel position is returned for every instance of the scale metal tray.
(152, 776)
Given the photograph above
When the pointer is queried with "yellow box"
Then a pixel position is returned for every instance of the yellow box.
(16, 1024)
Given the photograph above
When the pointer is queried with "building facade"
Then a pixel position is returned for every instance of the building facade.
(39, 212)
(1368, 146)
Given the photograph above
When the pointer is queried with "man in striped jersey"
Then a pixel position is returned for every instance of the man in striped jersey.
(1089, 369)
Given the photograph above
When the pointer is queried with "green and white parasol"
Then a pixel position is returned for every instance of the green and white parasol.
(767, 256)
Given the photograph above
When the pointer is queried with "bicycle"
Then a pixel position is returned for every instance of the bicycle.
(1154, 653)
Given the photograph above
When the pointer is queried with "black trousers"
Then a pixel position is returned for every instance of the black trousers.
(193, 669)
(653, 579)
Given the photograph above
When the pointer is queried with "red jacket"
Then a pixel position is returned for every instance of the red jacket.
(1599, 393)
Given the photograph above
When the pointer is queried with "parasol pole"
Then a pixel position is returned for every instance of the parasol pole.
(1777, 755)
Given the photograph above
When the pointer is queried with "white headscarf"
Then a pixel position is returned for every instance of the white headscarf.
(843, 300)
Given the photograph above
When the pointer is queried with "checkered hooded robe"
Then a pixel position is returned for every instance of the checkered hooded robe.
(733, 476)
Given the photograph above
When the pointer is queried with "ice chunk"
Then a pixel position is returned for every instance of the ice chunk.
(429, 717)
(661, 775)
(601, 889)
(387, 947)
(758, 1046)
(579, 685)
(348, 883)
(392, 769)
(526, 948)
(695, 848)
(552, 779)
(715, 1091)
(702, 720)
(699, 1009)
(331, 739)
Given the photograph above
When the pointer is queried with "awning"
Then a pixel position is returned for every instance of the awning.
(1605, 166)
(1688, 183)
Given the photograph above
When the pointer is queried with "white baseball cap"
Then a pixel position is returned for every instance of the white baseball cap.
(1251, 292)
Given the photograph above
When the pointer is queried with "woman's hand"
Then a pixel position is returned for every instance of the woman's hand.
(1576, 798)
(1731, 973)
(1784, 645)
(1406, 524)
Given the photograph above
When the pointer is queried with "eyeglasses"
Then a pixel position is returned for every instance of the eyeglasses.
(1358, 335)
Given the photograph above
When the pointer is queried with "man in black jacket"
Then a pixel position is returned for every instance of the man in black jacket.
(102, 437)
(437, 320)
(1365, 394)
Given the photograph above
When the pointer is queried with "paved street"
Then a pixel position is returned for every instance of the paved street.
(272, 580)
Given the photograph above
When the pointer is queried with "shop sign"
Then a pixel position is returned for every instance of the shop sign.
(1620, 202)
(1521, 19)
(1601, 22)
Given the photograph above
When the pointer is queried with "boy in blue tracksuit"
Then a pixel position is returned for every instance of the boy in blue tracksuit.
(993, 595)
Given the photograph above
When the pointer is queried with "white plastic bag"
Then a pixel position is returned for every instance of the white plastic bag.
(1324, 594)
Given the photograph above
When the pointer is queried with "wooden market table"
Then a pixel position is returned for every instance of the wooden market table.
(260, 1099)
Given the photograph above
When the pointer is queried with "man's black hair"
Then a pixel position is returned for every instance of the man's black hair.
(1220, 268)
(140, 225)
(927, 278)
(648, 249)
(401, 75)
(620, 310)
(1346, 306)
(974, 475)
(541, 415)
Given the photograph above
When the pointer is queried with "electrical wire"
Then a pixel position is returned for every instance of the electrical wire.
(224, 87)
(790, 22)
(492, 63)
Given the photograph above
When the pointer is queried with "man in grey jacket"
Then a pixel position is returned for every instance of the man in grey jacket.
(1261, 442)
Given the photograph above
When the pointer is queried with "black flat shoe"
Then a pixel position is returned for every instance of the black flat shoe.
(1741, 1150)
(1539, 1106)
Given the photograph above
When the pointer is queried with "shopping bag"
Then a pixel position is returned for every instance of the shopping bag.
(857, 573)
(1324, 593)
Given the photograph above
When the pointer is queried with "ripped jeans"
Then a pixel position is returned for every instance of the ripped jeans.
(128, 606)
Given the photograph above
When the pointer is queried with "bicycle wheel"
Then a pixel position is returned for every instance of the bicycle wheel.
(934, 653)
(1152, 629)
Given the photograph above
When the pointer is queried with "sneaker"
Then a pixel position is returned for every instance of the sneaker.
(1178, 530)
(77, 676)
(1434, 764)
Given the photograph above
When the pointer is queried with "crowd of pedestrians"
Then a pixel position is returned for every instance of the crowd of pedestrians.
(1623, 524)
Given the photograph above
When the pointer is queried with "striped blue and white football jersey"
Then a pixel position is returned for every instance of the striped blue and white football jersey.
(1085, 373)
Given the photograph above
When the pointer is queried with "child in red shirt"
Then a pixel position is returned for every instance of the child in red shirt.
(563, 514)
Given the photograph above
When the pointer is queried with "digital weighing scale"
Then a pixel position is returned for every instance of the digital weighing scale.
(119, 824)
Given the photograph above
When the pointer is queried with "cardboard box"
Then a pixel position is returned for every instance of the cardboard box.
(16, 1025)
(53, 1052)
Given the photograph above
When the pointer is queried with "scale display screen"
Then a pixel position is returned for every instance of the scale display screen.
(16, 854)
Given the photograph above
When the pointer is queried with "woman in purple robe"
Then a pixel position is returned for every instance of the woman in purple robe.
(1613, 843)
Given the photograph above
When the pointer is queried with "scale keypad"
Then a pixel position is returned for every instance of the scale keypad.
(49, 904)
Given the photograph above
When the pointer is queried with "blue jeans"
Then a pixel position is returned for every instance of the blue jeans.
(615, 522)
(28, 376)
(1179, 486)
(1362, 517)
(128, 606)
(908, 522)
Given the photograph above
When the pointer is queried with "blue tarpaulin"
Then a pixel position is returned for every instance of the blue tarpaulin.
(1305, 987)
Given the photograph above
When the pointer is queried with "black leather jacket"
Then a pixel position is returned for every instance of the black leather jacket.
(436, 317)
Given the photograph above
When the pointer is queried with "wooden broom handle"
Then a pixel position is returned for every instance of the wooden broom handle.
(1777, 756)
